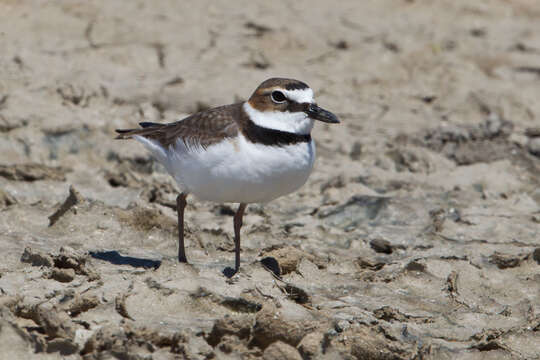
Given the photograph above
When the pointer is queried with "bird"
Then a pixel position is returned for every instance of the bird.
(247, 152)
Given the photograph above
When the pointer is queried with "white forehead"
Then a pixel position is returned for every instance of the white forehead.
(299, 95)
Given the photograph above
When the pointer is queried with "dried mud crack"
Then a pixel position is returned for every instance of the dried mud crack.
(415, 237)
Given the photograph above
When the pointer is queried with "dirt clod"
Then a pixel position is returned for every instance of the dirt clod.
(536, 255)
(74, 198)
(82, 303)
(469, 144)
(6, 199)
(32, 172)
(120, 306)
(534, 146)
(270, 327)
(61, 275)
(281, 351)
(504, 261)
(381, 246)
(240, 326)
(36, 257)
(366, 343)
(311, 345)
(288, 258)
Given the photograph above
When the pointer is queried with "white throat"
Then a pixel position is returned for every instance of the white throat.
(292, 122)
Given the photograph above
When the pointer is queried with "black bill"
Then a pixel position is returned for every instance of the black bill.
(318, 113)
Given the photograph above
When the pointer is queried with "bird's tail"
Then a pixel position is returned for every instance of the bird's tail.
(147, 129)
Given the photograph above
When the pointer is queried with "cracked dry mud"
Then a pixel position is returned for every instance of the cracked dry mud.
(416, 237)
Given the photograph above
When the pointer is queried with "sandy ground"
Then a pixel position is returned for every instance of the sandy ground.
(416, 237)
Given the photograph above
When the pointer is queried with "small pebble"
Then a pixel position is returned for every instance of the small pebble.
(342, 325)
(381, 246)
(534, 146)
(536, 255)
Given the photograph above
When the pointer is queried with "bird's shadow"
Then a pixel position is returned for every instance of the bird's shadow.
(115, 258)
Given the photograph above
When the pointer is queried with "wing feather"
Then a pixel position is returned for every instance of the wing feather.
(198, 130)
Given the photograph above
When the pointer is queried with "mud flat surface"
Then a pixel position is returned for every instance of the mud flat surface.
(416, 237)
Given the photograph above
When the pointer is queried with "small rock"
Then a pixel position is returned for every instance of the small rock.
(414, 265)
(356, 151)
(123, 177)
(336, 182)
(438, 216)
(81, 336)
(370, 264)
(405, 160)
(270, 327)
(536, 255)
(370, 344)
(281, 351)
(534, 146)
(81, 304)
(12, 122)
(9, 302)
(36, 258)
(105, 338)
(55, 322)
(153, 284)
(452, 283)
(231, 344)
(32, 172)
(344, 316)
(258, 29)
(389, 314)
(6, 199)
(532, 132)
(311, 345)
(68, 258)
(288, 258)
(240, 304)
(342, 325)
(73, 199)
(62, 346)
(518, 139)
(308, 269)
(61, 275)
(120, 306)
(332, 333)
(504, 261)
(239, 326)
(297, 294)
(381, 246)
(341, 45)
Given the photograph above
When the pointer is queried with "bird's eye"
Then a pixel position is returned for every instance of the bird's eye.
(278, 97)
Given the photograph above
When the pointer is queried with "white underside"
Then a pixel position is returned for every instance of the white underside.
(236, 170)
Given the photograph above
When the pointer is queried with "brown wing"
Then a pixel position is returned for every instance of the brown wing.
(201, 129)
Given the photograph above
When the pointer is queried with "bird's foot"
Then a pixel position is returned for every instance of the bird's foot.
(229, 272)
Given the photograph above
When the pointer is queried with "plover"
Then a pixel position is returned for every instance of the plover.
(249, 152)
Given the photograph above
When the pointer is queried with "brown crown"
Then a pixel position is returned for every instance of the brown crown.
(261, 97)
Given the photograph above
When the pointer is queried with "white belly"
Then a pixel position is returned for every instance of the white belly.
(237, 170)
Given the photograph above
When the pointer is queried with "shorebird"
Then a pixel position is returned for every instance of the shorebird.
(249, 152)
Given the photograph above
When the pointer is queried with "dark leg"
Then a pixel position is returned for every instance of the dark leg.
(237, 226)
(180, 206)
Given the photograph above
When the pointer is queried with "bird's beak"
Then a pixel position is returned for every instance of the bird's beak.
(318, 113)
